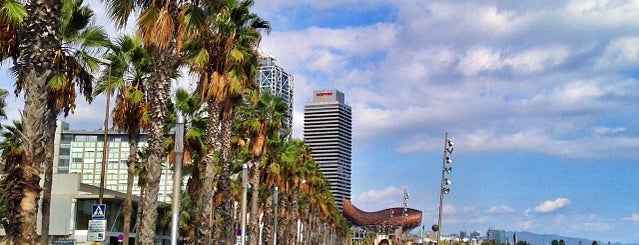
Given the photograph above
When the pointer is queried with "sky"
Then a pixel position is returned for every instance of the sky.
(540, 98)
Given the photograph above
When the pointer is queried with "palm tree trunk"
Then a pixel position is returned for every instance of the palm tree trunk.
(48, 176)
(130, 162)
(225, 173)
(211, 136)
(140, 212)
(255, 196)
(194, 187)
(29, 173)
(40, 36)
(158, 96)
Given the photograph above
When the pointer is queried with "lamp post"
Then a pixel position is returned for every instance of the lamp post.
(105, 141)
(275, 213)
(244, 197)
(448, 150)
(177, 177)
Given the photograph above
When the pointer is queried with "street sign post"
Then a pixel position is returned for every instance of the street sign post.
(98, 211)
(97, 230)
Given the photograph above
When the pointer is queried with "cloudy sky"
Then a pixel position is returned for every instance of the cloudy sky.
(540, 98)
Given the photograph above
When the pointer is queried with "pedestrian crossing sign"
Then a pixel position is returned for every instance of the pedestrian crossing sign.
(97, 211)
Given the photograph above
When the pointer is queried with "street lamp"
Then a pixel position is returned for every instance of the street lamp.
(244, 197)
(177, 177)
(105, 141)
(275, 213)
(448, 150)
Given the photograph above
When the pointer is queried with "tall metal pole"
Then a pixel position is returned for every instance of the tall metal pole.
(275, 213)
(441, 186)
(177, 177)
(244, 197)
(105, 142)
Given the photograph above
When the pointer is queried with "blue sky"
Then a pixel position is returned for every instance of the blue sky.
(539, 97)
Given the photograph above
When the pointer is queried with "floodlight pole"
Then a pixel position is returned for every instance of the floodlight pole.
(443, 190)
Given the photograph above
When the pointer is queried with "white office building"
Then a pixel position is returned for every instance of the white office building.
(81, 151)
(328, 133)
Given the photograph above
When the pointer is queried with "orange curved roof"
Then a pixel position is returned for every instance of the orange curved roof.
(385, 217)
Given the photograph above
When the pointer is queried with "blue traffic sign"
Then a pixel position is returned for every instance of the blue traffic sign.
(97, 211)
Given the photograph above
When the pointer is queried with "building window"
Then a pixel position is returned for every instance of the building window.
(66, 138)
(65, 151)
(63, 162)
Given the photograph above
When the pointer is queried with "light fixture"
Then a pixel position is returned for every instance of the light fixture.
(448, 170)
(448, 150)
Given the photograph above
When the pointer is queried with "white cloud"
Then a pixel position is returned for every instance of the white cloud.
(633, 217)
(376, 195)
(595, 13)
(606, 131)
(552, 205)
(479, 59)
(501, 209)
(537, 59)
(620, 52)
(325, 49)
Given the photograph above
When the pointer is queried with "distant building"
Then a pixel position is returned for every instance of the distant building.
(475, 235)
(499, 236)
(328, 133)
(277, 81)
(81, 151)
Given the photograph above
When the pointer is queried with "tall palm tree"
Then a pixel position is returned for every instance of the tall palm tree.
(128, 74)
(157, 24)
(221, 45)
(263, 120)
(39, 43)
(190, 106)
(75, 66)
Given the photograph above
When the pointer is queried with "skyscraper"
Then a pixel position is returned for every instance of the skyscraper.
(274, 79)
(328, 132)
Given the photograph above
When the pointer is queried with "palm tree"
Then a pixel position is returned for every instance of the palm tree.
(221, 48)
(157, 24)
(39, 43)
(128, 73)
(75, 65)
(263, 120)
(191, 108)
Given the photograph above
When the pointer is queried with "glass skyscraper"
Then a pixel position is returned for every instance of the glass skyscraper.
(274, 79)
(328, 133)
